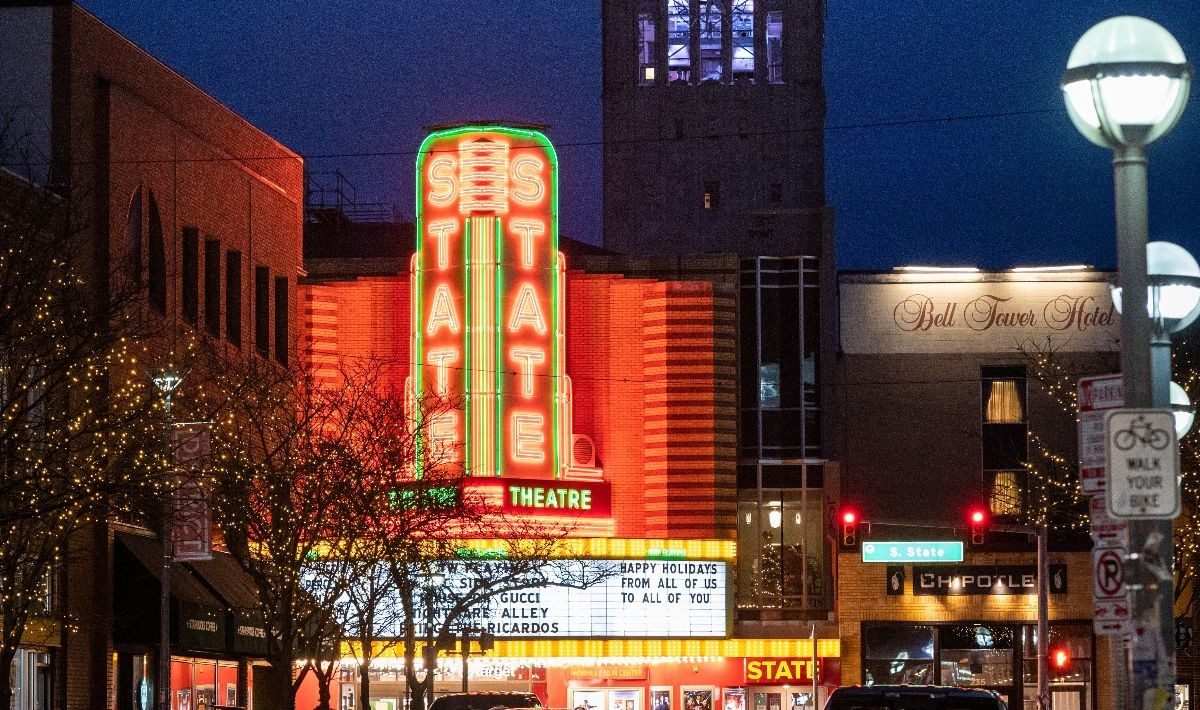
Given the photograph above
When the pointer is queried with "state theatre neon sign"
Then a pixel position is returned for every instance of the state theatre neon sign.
(488, 317)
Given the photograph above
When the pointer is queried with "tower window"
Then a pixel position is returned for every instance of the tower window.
(679, 40)
(712, 44)
(647, 55)
(776, 192)
(742, 20)
(712, 195)
(775, 47)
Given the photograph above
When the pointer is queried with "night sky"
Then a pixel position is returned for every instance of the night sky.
(348, 78)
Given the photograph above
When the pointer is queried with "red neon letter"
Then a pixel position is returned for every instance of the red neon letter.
(442, 311)
(443, 433)
(526, 172)
(527, 310)
(527, 437)
(440, 230)
(527, 358)
(529, 228)
(440, 359)
(442, 188)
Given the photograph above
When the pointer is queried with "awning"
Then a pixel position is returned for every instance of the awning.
(247, 629)
(198, 619)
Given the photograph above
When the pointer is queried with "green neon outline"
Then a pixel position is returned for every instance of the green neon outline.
(499, 374)
(542, 141)
(467, 444)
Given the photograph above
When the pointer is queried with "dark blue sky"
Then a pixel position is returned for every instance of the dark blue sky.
(347, 76)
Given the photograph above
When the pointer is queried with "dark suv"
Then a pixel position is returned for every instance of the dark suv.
(913, 697)
(485, 701)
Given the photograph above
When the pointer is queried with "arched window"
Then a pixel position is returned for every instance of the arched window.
(133, 237)
(158, 259)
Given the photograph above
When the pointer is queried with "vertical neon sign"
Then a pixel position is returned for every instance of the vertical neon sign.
(487, 280)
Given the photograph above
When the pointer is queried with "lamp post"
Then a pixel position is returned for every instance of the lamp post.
(1172, 304)
(1126, 84)
(167, 382)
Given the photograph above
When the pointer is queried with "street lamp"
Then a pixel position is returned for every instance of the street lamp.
(1182, 410)
(1126, 84)
(167, 381)
(1172, 288)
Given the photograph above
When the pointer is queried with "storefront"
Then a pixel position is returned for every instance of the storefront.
(216, 635)
(973, 624)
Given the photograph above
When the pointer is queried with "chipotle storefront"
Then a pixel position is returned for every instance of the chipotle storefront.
(973, 625)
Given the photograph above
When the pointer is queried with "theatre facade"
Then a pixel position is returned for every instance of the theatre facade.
(596, 389)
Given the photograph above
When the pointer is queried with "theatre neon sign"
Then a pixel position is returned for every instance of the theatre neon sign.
(487, 310)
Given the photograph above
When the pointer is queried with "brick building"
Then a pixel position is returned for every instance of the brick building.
(203, 212)
(652, 349)
(949, 403)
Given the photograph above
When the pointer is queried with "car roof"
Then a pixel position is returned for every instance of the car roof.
(932, 690)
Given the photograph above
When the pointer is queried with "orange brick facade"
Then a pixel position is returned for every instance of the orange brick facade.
(652, 365)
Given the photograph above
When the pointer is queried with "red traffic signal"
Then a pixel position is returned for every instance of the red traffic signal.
(977, 519)
(848, 519)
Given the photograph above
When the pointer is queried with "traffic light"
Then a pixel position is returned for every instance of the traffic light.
(848, 519)
(977, 519)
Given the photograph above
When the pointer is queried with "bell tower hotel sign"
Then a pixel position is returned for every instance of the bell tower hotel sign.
(982, 312)
(488, 319)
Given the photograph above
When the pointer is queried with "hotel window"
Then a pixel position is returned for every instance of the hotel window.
(212, 287)
(262, 310)
(233, 297)
(157, 258)
(712, 195)
(679, 40)
(712, 40)
(647, 45)
(281, 319)
(741, 19)
(1005, 436)
(774, 44)
(190, 293)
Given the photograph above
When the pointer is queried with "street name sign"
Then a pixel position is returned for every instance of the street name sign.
(1142, 471)
(905, 551)
(1096, 395)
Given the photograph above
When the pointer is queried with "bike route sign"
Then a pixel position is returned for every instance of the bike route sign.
(1143, 464)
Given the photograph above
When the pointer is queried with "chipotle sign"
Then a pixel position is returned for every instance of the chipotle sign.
(985, 315)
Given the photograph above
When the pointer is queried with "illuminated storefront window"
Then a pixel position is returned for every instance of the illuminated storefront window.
(712, 45)
(781, 555)
(742, 21)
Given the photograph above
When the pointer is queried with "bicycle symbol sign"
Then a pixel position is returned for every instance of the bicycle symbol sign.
(1142, 463)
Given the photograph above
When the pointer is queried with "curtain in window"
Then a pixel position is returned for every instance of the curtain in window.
(1004, 405)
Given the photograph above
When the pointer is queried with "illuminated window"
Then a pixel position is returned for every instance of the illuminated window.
(775, 47)
(742, 21)
(157, 258)
(647, 55)
(1005, 498)
(679, 34)
(712, 195)
(190, 293)
(712, 43)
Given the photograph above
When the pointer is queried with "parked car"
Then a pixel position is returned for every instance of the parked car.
(913, 697)
(485, 700)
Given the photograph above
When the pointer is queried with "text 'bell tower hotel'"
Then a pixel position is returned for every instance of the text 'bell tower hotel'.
(583, 395)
